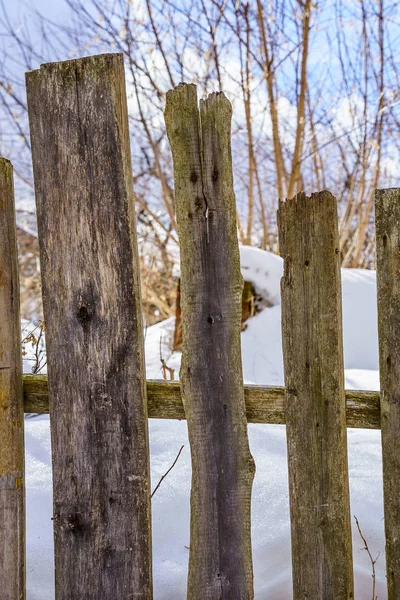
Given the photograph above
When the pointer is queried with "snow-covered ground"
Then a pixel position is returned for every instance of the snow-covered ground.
(262, 364)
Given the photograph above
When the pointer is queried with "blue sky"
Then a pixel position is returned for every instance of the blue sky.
(50, 8)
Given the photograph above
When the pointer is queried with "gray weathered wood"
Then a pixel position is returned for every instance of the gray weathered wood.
(315, 398)
(387, 223)
(92, 307)
(220, 564)
(264, 404)
(12, 478)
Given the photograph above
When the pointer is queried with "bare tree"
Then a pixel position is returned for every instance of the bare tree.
(314, 86)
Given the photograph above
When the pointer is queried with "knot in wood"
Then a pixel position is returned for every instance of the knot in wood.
(200, 204)
(75, 523)
(84, 313)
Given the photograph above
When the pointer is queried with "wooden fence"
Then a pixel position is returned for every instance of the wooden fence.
(96, 390)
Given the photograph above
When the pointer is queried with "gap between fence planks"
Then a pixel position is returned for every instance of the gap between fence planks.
(264, 404)
(92, 308)
(12, 477)
(315, 398)
(387, 226)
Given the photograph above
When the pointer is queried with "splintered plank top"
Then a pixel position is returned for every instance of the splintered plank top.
(220, 564)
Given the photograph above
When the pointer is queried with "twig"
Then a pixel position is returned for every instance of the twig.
(165, 367)
(146, 308)
(373, 561)
(30, 336)
(166, 473)
(38, 366)
(36, 342)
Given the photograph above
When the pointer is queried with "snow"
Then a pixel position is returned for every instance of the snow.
(262, 364)
(264, 270)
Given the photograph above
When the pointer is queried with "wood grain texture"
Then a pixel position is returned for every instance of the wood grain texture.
(92, 307)
(315, 398)
(387, 224)
(264, 404)
(12, 477)
(220, 563)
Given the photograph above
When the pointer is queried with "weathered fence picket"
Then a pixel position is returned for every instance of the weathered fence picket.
(96, 390)
(220, 564)
(387, 223)
(315, 398)
(12, 475)
(92, 307)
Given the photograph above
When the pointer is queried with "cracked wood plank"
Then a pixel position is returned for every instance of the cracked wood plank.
(92, 307)
(220, 562)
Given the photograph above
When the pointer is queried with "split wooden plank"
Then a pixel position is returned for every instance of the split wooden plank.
(264, 404)
(92, 307)
(220, 563)
(387, 224)
(315, 398)
(12, 477)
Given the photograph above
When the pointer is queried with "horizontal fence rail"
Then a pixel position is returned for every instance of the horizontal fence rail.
(264, 403)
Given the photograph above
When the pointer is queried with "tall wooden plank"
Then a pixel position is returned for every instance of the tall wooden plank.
(315, 398)
(12, 478)
(92, 306)
(387, 224)
(220, 565)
